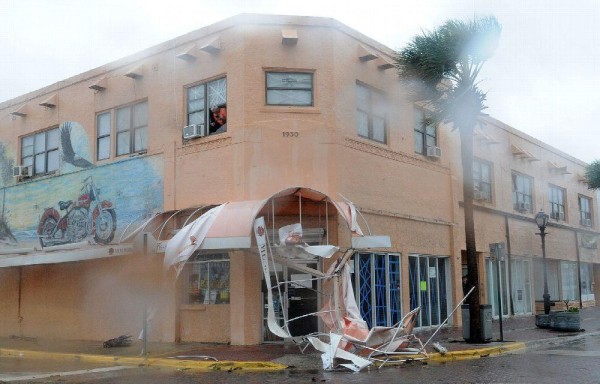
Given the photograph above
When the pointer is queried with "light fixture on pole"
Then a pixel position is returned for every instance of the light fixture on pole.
(541, 220)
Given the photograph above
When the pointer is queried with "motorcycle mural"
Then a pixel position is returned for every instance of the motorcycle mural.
(88, 215)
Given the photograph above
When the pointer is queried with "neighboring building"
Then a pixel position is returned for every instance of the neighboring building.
(244, 111)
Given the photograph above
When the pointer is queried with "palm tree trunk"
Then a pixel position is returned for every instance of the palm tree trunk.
(466, 140)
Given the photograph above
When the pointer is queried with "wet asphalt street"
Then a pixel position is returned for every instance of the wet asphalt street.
(575, 362)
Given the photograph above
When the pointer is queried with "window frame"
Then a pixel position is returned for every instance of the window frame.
(310, 89)
(585, 215)
(370, 112)
(516, 193)
(421, 131)
(206, 103)
(480, 163)
(104, 136)
(35, 153)
(194, 266)
(132, 128)
(555, 194)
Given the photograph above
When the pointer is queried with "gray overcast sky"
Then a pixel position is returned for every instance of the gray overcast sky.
(543, 79)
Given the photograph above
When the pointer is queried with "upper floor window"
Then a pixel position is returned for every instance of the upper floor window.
(425, 132)
(522, 192)
(482, 180)
(132, 128)
(207, 105)
(556, 198)
(103, 136)
(289, 88)
(370, 113)
(40, 151)
(585, 211)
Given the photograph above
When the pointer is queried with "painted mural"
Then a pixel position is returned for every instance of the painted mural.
(83, 201)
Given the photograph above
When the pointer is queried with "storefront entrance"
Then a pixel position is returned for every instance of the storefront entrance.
(297, 297)
(428, 288)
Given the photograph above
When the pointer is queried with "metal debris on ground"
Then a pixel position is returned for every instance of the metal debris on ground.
(121, 341)
(188, 357)
(440, 348)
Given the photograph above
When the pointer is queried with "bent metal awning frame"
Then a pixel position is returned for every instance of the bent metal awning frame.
(230, 225)
(231, 230)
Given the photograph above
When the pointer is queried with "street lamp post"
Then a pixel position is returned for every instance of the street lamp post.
(541, 220)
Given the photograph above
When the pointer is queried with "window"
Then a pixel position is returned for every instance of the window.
(40, 151)
(522, 193)
(289, 88)
(553, 279)
(556, 199)
(585, 211)
(132, 128)
(377, 281)
(206, 279)
(207, 105)
(482, 180)
(370, 113)
(425, 132)
(103, 136)
(569, 281)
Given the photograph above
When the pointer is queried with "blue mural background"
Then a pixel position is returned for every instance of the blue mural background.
(133, 185)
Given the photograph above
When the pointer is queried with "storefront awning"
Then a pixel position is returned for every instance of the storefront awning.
(64, 254)
(230, 225)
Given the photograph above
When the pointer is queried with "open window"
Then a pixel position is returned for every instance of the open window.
(206, 109)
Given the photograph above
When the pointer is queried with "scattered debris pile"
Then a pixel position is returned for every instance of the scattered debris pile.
(121, 341)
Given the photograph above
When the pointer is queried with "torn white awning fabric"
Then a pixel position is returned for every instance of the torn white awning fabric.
(188, 239)
(261, 243)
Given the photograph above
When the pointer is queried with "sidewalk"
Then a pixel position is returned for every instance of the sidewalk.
(518, 332)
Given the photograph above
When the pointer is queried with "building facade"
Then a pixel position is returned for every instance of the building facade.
(271, 114)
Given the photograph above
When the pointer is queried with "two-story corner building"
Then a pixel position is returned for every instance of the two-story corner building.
(280, 117)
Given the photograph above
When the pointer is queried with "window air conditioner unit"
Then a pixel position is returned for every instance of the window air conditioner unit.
(557, 215)
(22, 171)
(523, 207)
(586, 222)
(434, 152)
(193, 131)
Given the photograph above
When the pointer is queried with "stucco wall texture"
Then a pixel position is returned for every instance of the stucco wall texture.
(414, 199)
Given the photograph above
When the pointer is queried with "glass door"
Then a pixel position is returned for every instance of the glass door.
(428, 287)
(492, 286)
(299, 296)
(521, 287)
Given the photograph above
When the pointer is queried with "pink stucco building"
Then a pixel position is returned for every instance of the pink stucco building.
(238, 112)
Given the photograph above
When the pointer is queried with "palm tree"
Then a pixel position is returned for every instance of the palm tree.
(592, 174)
(441, 69)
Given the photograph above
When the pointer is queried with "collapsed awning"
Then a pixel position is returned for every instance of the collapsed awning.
(231, 229)
(230, 225)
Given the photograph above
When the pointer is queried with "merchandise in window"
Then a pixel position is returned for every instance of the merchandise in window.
(207, 106)
(206, 279)
(289, 88)
(370, 113)
(40, 151)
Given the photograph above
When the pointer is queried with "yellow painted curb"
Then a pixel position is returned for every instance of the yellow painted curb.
(476, 353)
(206, 366)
